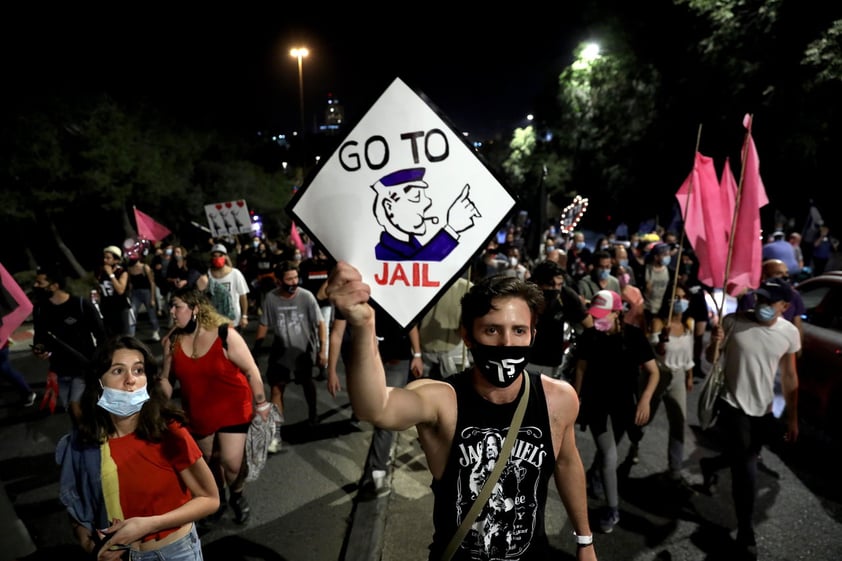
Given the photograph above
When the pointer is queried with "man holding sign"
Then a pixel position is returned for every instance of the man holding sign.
(455, 418)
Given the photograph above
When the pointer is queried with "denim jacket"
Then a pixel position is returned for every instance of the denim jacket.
(80, 488)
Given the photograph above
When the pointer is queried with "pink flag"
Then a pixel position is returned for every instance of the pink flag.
(728, 194)
(704, 222)
(15, 306)
(296, 239)
(148, 229)
(747, 255)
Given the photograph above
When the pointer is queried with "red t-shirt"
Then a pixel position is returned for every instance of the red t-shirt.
(148, 473)
(214, 393)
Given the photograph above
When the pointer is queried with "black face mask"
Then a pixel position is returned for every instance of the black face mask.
(550, 295)
(290, 288)
(41, 294)
(500, 365)
(191, 326)
(133, 262)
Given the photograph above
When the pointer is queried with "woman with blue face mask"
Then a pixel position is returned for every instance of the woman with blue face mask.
(132, 478)
(672, 339)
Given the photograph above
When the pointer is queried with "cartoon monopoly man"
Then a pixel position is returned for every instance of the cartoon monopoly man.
(401, 206)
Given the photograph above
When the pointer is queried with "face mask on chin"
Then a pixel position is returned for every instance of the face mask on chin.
(500, 365)
(121, 402)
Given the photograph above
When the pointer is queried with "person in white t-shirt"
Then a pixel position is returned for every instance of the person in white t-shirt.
(754, 344)
(231, 278)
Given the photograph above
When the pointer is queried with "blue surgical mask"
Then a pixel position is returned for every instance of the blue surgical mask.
(121, 402)
(604, 274)
(580, 245)
(624, 263)
(765, 312)
(680, 306)
(666, 260)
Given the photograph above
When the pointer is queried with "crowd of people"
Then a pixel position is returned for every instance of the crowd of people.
(595, 336)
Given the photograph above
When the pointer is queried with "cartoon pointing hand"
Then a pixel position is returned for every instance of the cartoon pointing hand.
(461, 214)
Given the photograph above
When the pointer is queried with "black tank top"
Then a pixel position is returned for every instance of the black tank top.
(140, 281)
(511, 526)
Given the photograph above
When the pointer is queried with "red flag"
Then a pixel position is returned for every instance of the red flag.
(704, 223)
(296, 239)
(15, 306)
(728, 194)
(747, 254)
(148, 229)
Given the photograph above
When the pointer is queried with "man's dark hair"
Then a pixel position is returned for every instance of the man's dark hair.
(598, 256)
(54, 275)
(544, 273)
(479, 299)
(284, 266)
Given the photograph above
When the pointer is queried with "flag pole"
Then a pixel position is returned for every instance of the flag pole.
(684, 223)
(737, 201)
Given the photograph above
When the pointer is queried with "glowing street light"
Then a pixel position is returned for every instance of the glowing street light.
(300, 53)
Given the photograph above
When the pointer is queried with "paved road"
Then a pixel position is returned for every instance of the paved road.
(304, 504)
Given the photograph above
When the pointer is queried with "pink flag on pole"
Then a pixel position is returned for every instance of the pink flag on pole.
(704, 223)
(15, 305)
(296, 239)
(148, 229)
(728, 193)
(747, 255)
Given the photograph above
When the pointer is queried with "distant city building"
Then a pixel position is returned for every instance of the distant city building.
(334, 116)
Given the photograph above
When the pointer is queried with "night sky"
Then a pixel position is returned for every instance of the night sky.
(234, 68)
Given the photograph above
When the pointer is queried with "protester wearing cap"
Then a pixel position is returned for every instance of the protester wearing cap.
(401, 206)
(114, 303)
(611, 357)
(754, 344)
(223, 272)
(656, 277)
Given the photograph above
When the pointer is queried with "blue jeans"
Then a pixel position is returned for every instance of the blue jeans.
(188, 548)
(144, 296)
(381, 440)
(11, 373)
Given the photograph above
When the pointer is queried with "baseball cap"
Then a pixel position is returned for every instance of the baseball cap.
(604, 302)
(114, 250)
(219, 248)
(775, 290)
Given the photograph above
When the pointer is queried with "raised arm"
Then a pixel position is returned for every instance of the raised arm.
(385, 407)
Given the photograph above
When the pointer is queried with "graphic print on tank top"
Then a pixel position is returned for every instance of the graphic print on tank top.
(506, 524)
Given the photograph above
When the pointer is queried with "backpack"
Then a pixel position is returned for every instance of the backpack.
(220, 297)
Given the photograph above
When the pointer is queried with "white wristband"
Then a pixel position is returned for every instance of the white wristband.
(583, 540)
(416, 355)
(264, 406)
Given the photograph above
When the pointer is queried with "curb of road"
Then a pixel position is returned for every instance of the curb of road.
(368, 521)
(15, 540)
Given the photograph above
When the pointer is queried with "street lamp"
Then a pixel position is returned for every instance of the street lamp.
(300, 53)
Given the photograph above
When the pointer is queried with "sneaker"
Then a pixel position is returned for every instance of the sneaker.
(609, 519)
(632, 456)
(274, 445)
(156, 336)
(381, 484)
(241, 508)
(30, 399)
(709, 476)
(376, 487)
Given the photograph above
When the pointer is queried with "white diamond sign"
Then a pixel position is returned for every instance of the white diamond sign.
(405, 200)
